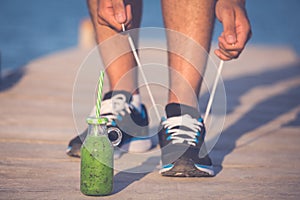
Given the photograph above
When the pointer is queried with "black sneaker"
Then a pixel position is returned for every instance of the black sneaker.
(182, 143)
(120, 113)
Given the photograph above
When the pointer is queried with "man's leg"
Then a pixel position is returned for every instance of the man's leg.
(194, 19)
(119, 68)
(182, 135)
(130, 116)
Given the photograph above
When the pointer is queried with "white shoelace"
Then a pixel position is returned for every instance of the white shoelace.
(115, 106)
(180, 136)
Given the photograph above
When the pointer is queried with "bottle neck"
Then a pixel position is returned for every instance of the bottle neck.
(97, 129)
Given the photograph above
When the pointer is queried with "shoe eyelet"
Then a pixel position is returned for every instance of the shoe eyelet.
(169, 138)
(167, 131)
(143, 114)
(113, 123)
(119, 117)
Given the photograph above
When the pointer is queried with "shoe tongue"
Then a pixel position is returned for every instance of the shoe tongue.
(110, 94)
(176, 109)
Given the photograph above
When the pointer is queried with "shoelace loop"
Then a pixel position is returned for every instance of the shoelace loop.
(178, 135)
(115, 107)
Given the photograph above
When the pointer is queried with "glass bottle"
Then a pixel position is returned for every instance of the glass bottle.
(97, 166)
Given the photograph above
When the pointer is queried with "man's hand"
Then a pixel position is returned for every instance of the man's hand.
(113, 13)
(237, 31)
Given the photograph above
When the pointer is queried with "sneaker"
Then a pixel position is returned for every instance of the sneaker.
(181, 139)
(133, 123)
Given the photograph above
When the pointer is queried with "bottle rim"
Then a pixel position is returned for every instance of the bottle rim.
(97, 121)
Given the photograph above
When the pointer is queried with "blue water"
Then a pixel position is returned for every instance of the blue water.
(32, 28)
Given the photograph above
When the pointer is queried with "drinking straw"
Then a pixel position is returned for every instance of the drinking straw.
(99, 94)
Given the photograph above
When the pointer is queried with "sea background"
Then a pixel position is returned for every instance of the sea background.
(33, 28)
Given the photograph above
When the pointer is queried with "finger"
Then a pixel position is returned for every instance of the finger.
(110, 22)
(106, 15)
(229, 53)
(128, 22)
(119, 11)
(243, 28)
(113, 23)
(243, 33)
(230, 47)
(228, 21)
(221, 55)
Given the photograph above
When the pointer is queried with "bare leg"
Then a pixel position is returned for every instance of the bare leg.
(195, 19)
(119, 66)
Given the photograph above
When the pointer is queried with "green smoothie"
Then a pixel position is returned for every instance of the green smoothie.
(96, 176)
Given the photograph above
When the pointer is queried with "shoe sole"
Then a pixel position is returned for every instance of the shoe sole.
(186, 168)
(74, 151)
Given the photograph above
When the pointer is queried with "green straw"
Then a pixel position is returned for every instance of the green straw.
(99, 95)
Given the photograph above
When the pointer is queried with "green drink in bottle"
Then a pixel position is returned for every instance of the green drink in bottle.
(96, 177)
